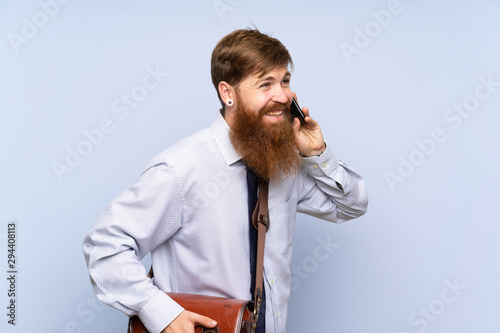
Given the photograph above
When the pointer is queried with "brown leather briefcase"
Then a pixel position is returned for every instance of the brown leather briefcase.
(232, 315)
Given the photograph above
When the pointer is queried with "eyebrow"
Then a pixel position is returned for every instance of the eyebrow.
(271, 78)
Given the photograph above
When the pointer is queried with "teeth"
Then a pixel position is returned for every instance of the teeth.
(275, 113)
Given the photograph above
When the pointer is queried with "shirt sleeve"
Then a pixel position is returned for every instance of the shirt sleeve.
(330, 190)
(137, 221)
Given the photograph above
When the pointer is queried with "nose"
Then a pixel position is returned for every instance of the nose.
(280, 95)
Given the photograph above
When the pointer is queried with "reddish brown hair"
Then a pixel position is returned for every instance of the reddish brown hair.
(244, 52)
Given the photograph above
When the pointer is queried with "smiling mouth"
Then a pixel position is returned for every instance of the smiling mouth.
(274, 113)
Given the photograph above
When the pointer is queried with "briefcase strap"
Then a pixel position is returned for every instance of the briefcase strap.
(260, 220)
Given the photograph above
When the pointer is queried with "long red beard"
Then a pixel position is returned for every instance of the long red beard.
(268, 149)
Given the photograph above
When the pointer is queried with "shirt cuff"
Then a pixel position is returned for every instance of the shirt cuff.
(325, 164)
(159, 312)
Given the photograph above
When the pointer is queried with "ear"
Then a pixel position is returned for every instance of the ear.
(226, 92)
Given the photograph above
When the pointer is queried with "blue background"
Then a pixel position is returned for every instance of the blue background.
(379, 76)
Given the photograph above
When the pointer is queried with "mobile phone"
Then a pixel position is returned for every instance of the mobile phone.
(297, 111)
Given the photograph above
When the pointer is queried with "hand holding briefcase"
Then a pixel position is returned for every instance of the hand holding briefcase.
(232, 315)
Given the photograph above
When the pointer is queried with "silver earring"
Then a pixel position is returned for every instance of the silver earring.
(230, 102)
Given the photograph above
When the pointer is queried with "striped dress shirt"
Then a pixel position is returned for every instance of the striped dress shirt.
(189, 209)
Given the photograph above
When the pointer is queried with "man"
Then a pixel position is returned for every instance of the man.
(190, 206)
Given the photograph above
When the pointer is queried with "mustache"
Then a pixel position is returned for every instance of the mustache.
(285, 107)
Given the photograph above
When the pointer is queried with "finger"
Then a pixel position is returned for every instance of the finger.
(296, 125)
(305, 110)
(203, 321)
(307, 118)
(310, 122)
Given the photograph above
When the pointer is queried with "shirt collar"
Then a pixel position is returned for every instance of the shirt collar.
(220, 130)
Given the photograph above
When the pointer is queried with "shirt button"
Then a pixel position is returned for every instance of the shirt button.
(277, 315)
(316, 166)
(272, 281)
(324, 165)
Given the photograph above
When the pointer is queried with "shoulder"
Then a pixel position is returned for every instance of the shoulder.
(187, 150)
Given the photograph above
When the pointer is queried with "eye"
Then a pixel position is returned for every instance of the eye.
(264, 85)
(286, 81)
